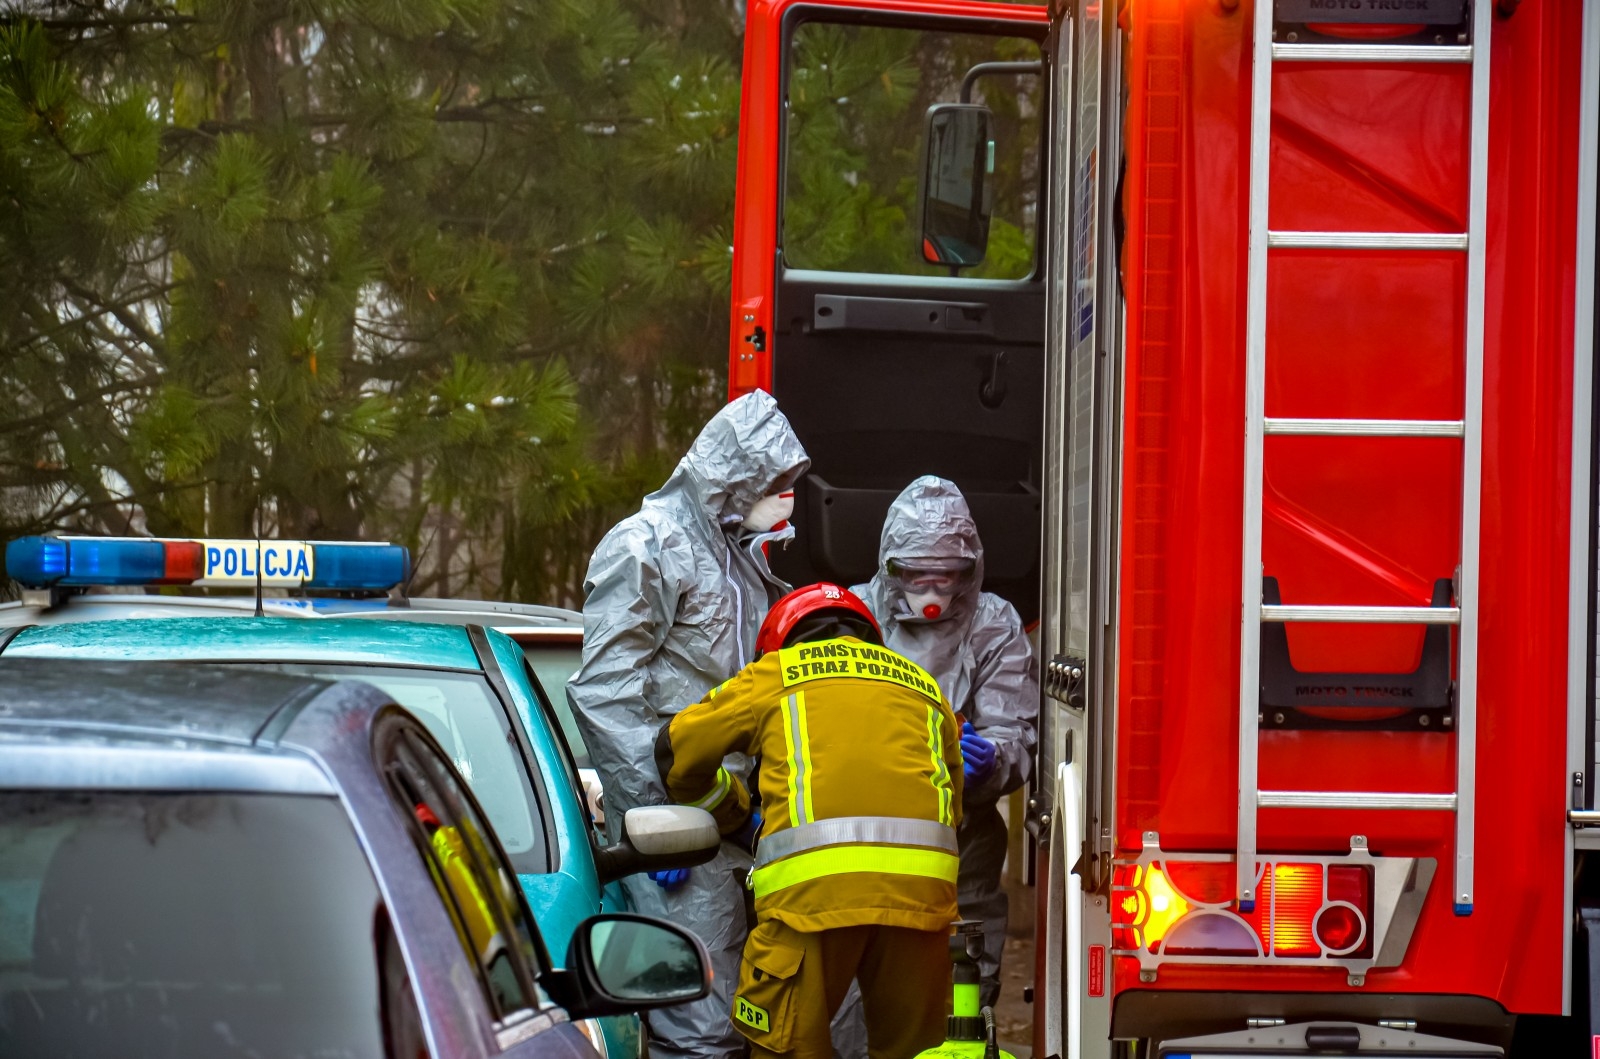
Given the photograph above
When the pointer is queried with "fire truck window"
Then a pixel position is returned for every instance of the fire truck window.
(858, 98)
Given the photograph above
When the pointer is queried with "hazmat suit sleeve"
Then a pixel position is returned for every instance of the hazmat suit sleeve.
(1005, 696)
(690, 749)
(631, 597)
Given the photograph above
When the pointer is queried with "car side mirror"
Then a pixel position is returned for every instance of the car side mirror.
(658, 837)
(620, 963)
(956, 198)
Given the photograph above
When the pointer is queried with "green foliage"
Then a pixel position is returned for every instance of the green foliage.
(858, 96)
(449, 272)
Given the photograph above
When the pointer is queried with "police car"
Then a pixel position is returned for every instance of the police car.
(206, 860)
(471, 685)
(70, 578)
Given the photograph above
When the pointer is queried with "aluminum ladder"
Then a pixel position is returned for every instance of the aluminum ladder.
(1266, 54)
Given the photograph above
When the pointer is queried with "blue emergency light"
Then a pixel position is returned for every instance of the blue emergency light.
(81, 562)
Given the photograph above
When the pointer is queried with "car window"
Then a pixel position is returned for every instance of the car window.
(554, 665)
(479, 888)
(569, 762)
(193, 924)
(856, 98)
(460, 711)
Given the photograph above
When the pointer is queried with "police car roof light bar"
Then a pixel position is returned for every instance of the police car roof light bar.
(60, 562)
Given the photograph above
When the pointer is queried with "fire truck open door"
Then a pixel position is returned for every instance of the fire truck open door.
(890, 367)
(896, 345)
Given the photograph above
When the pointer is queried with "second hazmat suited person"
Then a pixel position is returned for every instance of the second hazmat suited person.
(674, 598)
(927, 596)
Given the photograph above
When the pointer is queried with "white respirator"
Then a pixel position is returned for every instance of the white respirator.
(770, 511)
(929, 605)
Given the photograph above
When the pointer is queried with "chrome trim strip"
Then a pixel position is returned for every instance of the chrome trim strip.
(1364, 615)
(1355, 800)
(1398, 892)
(1255, 412)
(1371, 53)
(157, 768)
(1580, 647)
(1472, 470)
(1375, 428)
(1368, 240)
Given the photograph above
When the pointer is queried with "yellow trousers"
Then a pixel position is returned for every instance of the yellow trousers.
(792, 982)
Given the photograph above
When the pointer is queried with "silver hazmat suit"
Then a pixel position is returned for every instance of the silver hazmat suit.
(673, 600)
(980, 655)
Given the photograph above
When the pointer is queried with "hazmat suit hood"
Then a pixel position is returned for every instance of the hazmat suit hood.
(930, 520)
(740, 453)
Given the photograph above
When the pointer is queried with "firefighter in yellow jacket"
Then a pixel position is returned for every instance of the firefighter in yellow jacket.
(860, 789)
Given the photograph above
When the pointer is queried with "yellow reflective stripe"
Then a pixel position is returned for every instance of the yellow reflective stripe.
(719, 791)
(840, 860)
(941, 774)
(793, 759)
(713, 692)
(808, 811)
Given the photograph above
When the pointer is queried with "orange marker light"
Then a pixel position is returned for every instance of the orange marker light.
(1166, 906)
(1297, 895)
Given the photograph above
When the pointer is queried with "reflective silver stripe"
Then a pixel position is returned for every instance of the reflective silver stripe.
(800, 759)
(718, 792)
(862, 830)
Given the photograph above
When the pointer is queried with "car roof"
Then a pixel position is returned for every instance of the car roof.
(192, 702)
(100, 606)
(249, 639)
(116, 724)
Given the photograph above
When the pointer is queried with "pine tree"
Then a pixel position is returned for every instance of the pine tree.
(449, 272)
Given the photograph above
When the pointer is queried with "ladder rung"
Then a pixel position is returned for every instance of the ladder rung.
(1373, 428)
(1371, 53)
(1367, 240)
(1364, 615)
(1353, 800)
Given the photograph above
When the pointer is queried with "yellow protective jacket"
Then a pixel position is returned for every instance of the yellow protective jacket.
(860, 779)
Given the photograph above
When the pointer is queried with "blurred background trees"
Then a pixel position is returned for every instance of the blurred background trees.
(452, 273)
(447, 272)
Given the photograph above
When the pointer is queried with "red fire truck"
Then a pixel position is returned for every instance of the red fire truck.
(1261, 339)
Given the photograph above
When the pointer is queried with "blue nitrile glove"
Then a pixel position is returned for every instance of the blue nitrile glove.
(745, 837)
(977, 755)
(671, 878)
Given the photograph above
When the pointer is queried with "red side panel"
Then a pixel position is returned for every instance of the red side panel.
(756, 205)
(1371, 521)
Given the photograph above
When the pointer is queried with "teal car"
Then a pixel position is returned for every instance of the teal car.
(473, 690)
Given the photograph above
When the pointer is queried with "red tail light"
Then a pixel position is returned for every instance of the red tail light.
(1304, 911)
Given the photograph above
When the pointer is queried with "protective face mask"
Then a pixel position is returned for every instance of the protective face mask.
(769, 511)
(930, 606)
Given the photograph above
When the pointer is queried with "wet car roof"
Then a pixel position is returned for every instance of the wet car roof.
(155, 726)
(252, 640)
(190, 702)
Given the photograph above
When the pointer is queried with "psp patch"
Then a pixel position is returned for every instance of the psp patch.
(751, 1015)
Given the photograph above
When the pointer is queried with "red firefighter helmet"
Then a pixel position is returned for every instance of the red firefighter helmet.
(804, 603)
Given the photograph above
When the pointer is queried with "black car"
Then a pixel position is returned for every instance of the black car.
(207, 861)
